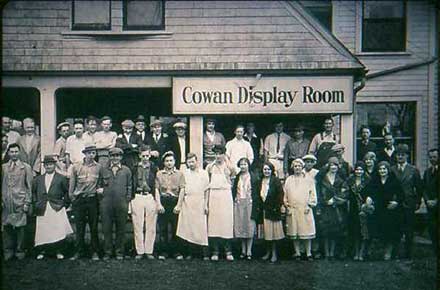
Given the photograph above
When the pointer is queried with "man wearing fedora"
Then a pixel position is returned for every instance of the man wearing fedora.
(50, 199)
(179, 143)
(85, 186)
(158, 141)
(139, 125)
(412, 185)
(296, 147)
(117, 182)
(129, 142)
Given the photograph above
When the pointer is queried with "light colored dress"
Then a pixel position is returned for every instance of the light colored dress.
(192, 224)
(244, 227)
(300, 195)
(221, 212)
(52, 227)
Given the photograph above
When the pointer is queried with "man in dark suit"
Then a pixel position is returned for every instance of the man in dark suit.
(388, 153)
(412, 185)
(431, 195)
(139, 124)
(365, 145)
(50, 197)
(158, 141)
(129, 142)
(179, 144)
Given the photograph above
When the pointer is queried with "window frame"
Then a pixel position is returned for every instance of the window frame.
(127, 27)
(404, 34)
(92, 27)
(309, 5)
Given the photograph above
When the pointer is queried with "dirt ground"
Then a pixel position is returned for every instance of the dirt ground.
(132, 274)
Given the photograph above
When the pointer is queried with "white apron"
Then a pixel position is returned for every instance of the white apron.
(52, 227)
(192, 223)
(221, 209)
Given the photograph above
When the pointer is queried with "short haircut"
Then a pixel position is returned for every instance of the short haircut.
(364, 127)
(144, 147)
(329, 118)
(433, 150)
(388, 134)
(239, 126)
(78, 121)
(191, 155)
(13, 145)
(91, 118)
(244, 159)
(370, 155)
(27, 121)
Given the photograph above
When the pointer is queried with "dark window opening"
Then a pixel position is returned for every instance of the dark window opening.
(321, 10)
(144, 15)
(384, 26)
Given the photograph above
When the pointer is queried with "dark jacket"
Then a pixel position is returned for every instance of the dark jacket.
(161, 146)
(254, 181)
(271, 207)
(57, 194)
(411, 184)
(131, 152)
(118, 187)
(431, 184)
(143, 140)
(175, 147)
(150, 179)
(383, 156)
(362, 149)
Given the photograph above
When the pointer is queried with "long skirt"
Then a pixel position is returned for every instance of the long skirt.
(52, 227)
(220, 214)
(244, 227)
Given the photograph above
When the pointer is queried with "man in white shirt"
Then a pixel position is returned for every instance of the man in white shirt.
(76, 143)
(92, 126)
(238, 148)
(323, 142)
(105, 140)
(274, 146)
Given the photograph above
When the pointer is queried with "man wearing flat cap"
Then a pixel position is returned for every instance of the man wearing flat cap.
(50, 199)
(60, 145)
(158, 141)
(296, 147)
(117, 182)
(85, 188)
(129, 142)
(179, 143)
(412, 185)
(140, 128)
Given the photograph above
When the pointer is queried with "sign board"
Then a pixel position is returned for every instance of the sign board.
(268, 95)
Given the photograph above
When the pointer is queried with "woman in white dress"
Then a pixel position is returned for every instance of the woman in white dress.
(220, 204)
(244, 225)
(299, 198)
(192, 208)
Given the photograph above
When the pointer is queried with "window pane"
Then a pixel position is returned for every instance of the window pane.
(321, 10)
(91, 14)
(399, 118)
(143, 14)
(384, 26)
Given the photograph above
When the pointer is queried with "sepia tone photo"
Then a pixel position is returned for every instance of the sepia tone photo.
(220, 144)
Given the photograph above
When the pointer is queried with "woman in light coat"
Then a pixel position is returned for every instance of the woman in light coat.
(299, 199)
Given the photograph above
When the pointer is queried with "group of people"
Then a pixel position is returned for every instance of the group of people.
(278, 187)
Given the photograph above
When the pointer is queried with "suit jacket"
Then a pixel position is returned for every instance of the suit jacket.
(130, 158)
(161, 146)
(175, 147)
(57, 194)
(362, 149)
(33, 157)
(431, 184)
(411, 184)
(383, 156)
(145, 139)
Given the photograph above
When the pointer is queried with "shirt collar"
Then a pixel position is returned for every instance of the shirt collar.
(140, 164)
(169, 171)
(253, 135)
(119, 165)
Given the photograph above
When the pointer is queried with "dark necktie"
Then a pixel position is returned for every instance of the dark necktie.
(278, 143)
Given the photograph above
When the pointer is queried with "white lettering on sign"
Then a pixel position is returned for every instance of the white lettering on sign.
(269, 95)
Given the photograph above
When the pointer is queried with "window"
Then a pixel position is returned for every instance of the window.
(398, 118)
(144, 15)
(321, 10)
(383, 26)
(91, 15)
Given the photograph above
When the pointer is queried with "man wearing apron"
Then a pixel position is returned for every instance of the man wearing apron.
(322, 143)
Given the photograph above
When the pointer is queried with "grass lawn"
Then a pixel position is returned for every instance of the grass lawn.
(197, 274)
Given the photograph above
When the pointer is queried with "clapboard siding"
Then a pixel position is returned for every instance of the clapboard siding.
(205, 35)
